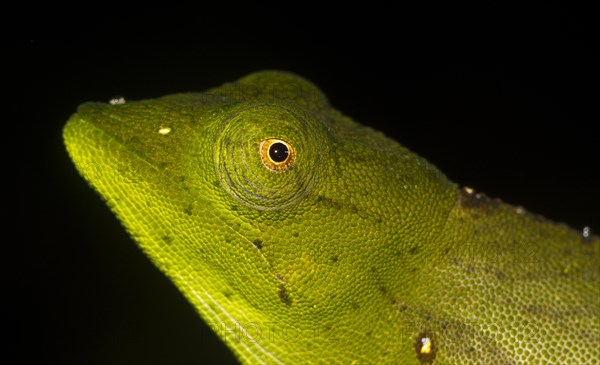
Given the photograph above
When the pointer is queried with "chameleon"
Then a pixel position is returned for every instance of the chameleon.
(303, 237)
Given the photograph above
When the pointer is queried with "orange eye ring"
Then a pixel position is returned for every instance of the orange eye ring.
(277, 155)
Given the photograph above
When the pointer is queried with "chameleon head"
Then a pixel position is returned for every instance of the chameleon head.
(284, 222)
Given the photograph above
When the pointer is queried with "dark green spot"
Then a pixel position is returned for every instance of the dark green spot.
(500, 275)
(284, 296)
(258, 244)
(533, 309)
(389, 296)
(168, 239)
(188, 210)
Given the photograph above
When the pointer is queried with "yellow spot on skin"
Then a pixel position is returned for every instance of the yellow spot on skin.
(117, 100)
(587, 232)
(426, 348)
(164, 131)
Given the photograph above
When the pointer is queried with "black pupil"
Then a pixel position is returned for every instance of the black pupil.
(278, 152)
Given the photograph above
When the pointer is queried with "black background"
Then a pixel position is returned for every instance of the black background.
(501, 98)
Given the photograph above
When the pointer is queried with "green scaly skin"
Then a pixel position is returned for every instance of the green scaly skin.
(356, 251)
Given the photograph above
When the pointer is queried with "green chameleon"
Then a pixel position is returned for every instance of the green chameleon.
(303, 237)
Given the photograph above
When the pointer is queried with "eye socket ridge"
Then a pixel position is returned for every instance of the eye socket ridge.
(276, 154)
